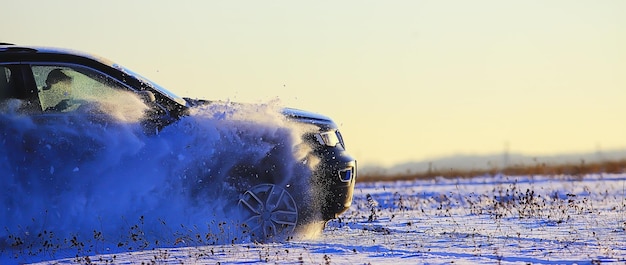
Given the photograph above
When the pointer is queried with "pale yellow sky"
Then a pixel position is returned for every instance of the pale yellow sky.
(405, 80)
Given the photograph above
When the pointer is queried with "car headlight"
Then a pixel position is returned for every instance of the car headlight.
(330, 138)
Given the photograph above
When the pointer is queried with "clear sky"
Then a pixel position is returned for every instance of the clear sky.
(406, 80)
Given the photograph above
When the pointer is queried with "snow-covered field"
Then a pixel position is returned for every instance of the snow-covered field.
(78, 190)
(485, 220)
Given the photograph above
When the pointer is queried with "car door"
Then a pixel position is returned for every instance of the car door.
(56, 116)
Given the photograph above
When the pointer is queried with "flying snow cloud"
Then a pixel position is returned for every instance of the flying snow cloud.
(97, 183)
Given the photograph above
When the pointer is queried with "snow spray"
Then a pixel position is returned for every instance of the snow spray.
(77, 184)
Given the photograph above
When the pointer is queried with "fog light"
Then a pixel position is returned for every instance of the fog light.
(346, 174)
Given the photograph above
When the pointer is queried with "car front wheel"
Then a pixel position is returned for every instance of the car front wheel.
(270, 212)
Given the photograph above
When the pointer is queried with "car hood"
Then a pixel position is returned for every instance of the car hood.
(306, 115)
(297, 115)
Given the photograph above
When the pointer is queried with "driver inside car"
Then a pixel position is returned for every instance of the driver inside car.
(56, 95)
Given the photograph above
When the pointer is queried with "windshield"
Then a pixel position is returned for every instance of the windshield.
(154, 85)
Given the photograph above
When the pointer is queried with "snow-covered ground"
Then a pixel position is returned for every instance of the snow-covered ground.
(79, 190)
(485, 220)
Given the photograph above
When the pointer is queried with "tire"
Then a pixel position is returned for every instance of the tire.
(269, 213)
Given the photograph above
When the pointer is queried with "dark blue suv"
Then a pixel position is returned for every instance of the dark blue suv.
(39, 78)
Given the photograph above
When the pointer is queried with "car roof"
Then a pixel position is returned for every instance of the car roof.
(13, 48)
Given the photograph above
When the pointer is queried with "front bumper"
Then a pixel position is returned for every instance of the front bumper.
(338, 178)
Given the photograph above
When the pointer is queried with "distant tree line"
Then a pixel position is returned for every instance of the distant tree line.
(574, 169)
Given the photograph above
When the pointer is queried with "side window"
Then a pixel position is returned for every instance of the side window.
(6, 88)
(65, 88)
(14, 94)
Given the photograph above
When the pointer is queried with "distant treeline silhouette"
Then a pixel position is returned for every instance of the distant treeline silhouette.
(575, 169)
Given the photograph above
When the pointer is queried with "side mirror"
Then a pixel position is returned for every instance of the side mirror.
(147, 96)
